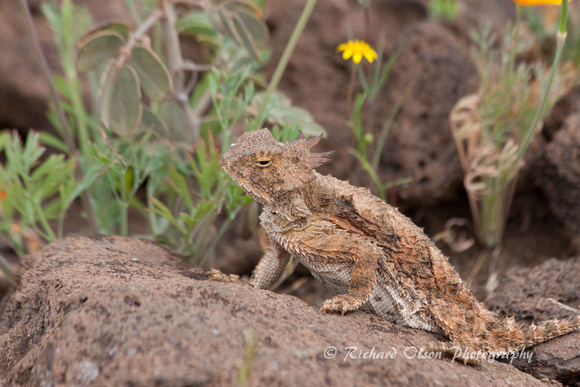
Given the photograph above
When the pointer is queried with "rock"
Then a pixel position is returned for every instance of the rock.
(526, 293)
(119, 311)
(420, 144)
(24, 97)
(559, 178)
(317, 77)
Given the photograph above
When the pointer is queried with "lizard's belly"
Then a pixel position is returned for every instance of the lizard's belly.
(334, 276)
(390, 301)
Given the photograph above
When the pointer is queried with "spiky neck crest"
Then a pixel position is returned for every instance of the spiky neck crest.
(267, 169)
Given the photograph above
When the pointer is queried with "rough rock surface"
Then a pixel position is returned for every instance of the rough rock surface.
(420, 143)
(560, 177)
(24, 94)
(526, 293)
(119, 311)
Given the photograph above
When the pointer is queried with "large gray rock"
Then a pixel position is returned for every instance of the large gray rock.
(119, 311)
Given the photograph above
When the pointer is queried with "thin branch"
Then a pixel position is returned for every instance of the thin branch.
(136, 36)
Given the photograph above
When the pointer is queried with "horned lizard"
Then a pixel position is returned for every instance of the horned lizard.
(373, 256)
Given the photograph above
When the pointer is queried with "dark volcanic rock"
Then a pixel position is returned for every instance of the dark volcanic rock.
(529, 294)
(420, 143)
(559, 175)
(23, 91)
(119, 311)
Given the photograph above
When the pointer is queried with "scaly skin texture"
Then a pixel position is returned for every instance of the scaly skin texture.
(374, 257)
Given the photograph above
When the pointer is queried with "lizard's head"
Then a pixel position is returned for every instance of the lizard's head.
(266, 168)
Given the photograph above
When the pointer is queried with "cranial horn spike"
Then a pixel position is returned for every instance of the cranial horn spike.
(312, 141)
(315, 160)
(300, 136)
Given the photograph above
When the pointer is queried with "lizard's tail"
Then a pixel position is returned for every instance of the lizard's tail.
(547, 330)
(516, 337)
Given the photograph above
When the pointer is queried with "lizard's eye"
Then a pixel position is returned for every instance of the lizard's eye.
(264, 162)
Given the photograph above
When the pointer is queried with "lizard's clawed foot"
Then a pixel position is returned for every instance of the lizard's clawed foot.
(342, 303)
(218, 276)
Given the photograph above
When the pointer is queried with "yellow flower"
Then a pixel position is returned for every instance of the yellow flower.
(534, 3)
(357, 49)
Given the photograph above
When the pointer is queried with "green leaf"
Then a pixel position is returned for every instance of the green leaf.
(90, 175)
(201, 88)
(97, 48)
(245, 6)
(125, 103)
(226, 23)
(154, 76)
(173, 117)
(256, 27)
(51, 165)
(281, 112)
(32, 150)
(104, 94)
(49, 139)
(117, 27)
(246, 37)
(151, 122)
(196, 23)
(162, 210)
(181, 186)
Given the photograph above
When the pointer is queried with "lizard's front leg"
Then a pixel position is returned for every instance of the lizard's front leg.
(338, 256)
(362, 281)
(270, 266)
(266, 272)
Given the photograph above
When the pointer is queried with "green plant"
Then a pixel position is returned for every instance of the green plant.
(36, 194)
(158, 122)
(368, 155)
(442, 9)
(544, 24)
(493, 128)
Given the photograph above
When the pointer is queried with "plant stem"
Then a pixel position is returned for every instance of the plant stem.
(560, 41)
(351, 85)
(124, 203)
(45, 225)
(563, 17)
(67, 133)
(515, 41)
(281, 67)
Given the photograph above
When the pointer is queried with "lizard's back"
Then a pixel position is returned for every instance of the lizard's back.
(406, 283)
